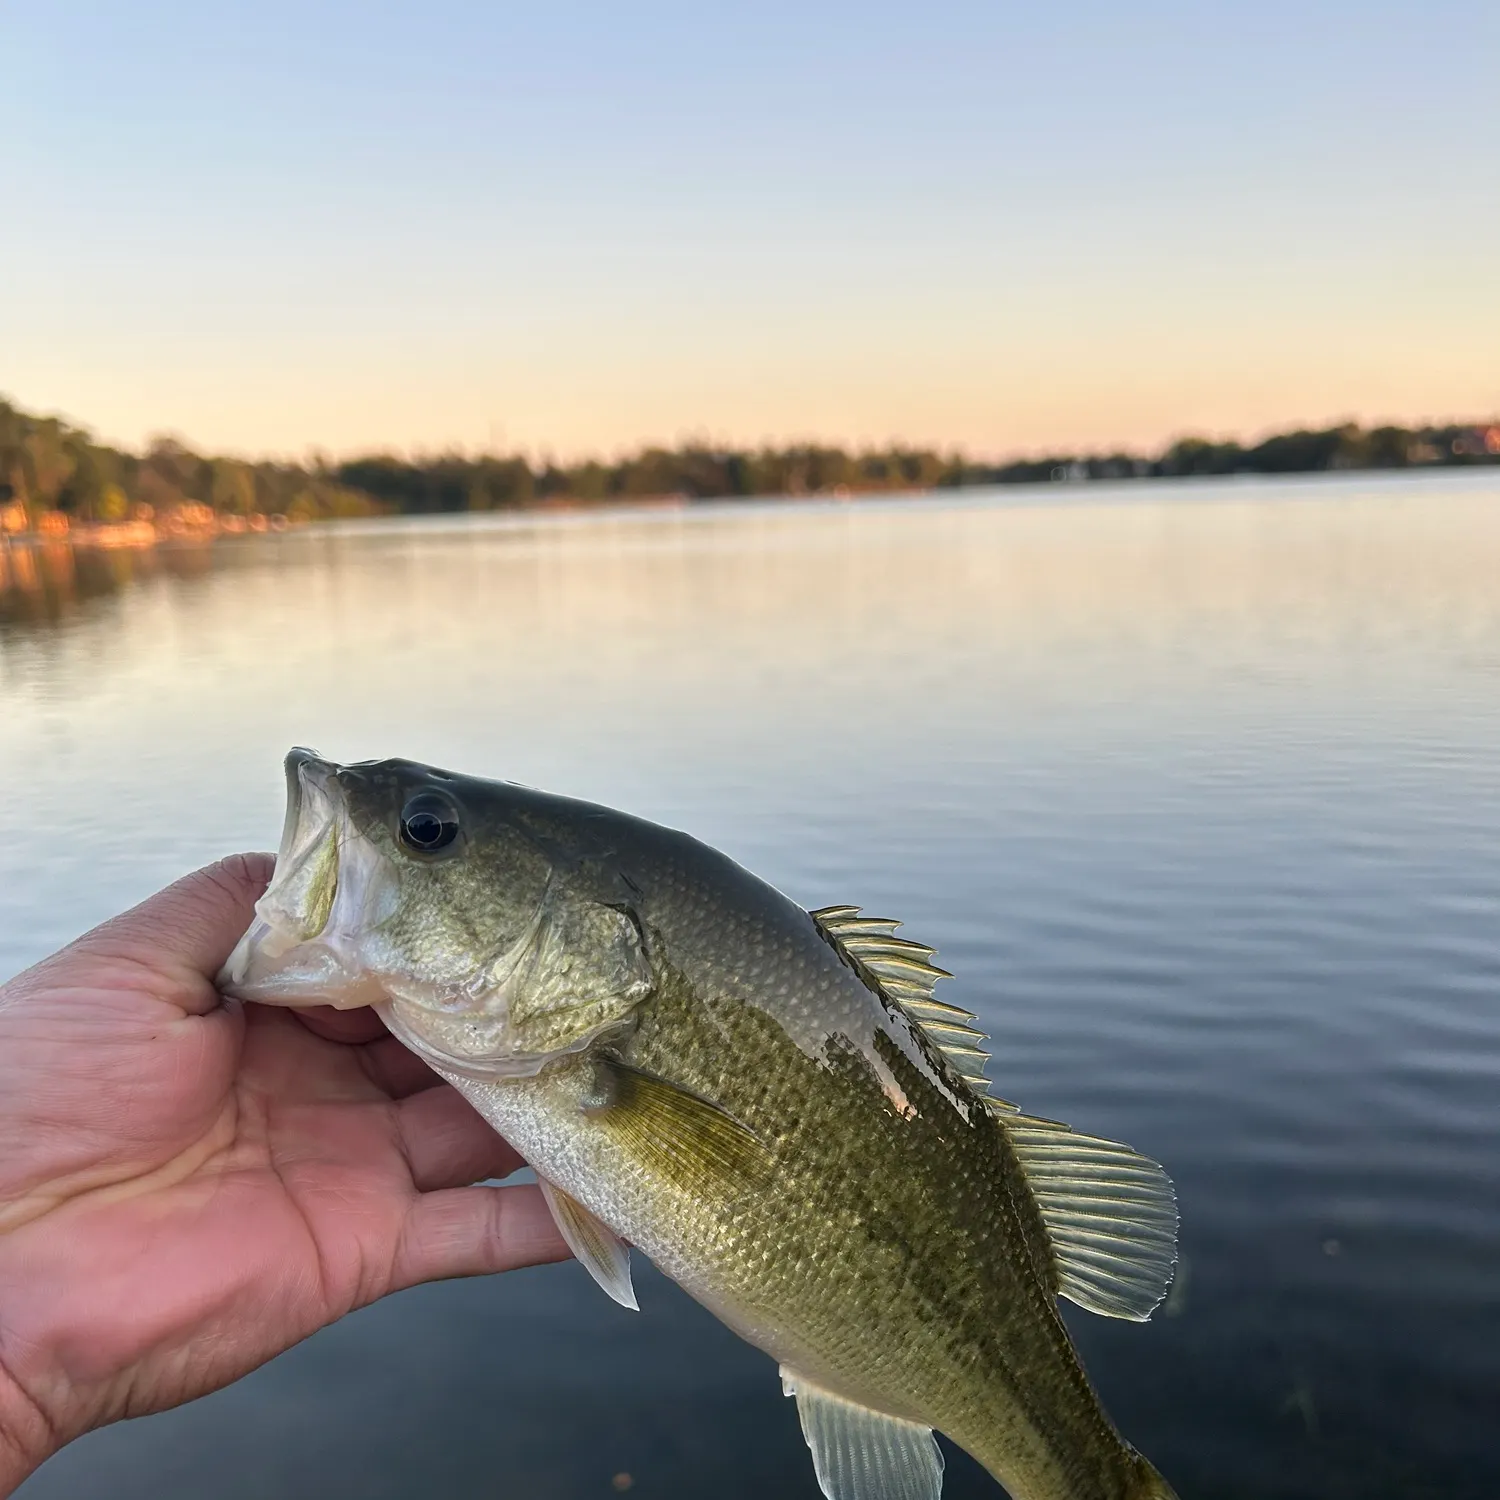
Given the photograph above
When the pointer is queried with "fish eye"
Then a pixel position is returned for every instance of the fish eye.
(429, 822)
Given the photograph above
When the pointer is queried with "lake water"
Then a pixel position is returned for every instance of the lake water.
(1197, 789)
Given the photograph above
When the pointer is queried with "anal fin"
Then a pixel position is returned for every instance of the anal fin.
(599, 1250)
(860, 1454)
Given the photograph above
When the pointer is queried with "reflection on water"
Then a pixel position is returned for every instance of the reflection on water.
(48, 581)
(1196, 789)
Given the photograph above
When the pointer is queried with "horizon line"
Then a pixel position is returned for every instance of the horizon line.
(541, 455)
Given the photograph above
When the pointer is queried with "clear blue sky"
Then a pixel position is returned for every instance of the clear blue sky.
(575, 227)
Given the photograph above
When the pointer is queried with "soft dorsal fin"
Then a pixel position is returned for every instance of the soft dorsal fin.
(1111, 1216)
(860, 1454)
(904, 973)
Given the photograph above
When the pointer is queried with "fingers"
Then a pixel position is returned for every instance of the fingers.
(187, 930)
(446, 1144)
(473, 1231)
(349, 1026)
(392, 1067)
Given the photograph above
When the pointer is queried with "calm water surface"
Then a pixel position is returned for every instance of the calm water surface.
(1197, 790)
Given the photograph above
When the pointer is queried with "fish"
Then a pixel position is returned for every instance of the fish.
(770, 1103)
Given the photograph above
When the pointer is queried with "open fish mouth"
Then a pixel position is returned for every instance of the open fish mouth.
(303, 947)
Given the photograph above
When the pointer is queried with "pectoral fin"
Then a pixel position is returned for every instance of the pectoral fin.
(688, 1139)
(860, 1454)
(600, 1251)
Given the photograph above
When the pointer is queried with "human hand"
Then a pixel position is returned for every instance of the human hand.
(188, 1187)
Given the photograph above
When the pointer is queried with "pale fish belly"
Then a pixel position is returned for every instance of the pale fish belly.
(543, 1118)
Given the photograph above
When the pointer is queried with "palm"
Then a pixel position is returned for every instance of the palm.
(187, 1189)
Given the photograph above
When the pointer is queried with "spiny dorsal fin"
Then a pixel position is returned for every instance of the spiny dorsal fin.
(1111, 1215)
(903, 971)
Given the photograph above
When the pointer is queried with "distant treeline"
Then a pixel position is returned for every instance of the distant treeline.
(48, 465)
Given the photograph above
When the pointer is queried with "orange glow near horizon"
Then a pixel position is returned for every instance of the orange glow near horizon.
(1009, 230)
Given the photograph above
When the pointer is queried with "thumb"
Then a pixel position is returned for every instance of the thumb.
(184, 932)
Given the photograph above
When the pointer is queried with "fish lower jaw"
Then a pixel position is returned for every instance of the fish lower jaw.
(272, 967)
(274, 937)
(482, 1049)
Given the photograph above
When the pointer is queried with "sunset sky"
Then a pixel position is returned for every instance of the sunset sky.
(573, 228)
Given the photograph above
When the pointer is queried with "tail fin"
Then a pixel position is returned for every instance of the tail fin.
(1147, 1484)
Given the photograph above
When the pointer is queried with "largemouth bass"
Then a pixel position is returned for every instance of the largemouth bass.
(770, 1103)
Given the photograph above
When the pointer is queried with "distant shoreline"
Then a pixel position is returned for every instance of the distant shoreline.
(24, 553)
(46, 575)
(57, 484)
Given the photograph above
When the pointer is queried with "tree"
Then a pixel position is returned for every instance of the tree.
(232, 488)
